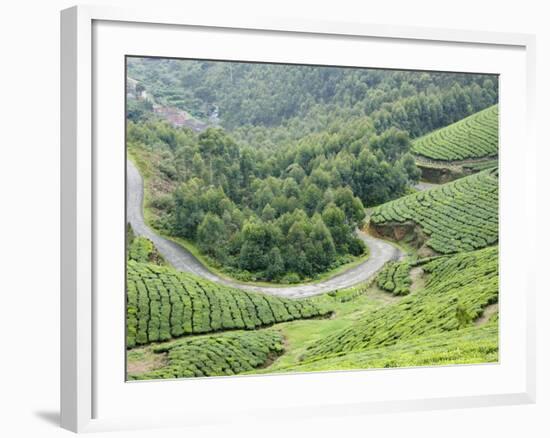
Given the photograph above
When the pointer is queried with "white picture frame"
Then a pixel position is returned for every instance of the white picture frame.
(89, 377)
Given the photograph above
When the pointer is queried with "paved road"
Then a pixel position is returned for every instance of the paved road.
(183, 260)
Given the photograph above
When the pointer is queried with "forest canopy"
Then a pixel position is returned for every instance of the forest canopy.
(291, 101)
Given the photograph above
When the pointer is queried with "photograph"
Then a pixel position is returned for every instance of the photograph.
(289, 218)
(249, 219)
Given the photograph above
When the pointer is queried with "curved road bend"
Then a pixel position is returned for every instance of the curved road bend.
(181, 259)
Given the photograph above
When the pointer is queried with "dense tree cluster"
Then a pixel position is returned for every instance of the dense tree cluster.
(289, 215)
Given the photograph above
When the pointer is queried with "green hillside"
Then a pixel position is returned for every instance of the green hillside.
(163, 304)
(291, 175)
(458, 216)
(466, 346)
(476, 136)
(457, 291)
(305, 98)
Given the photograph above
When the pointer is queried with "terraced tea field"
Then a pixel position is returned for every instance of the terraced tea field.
(441, 323)
(456, 293)
(479, 166)
(458, 216)
(466, 346)
(475, 136)
(395, 278)
(163, 304)
(214, 355)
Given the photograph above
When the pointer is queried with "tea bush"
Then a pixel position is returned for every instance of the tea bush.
(475, 136)
(459, 285)
(395, 278)
(216, 355)
(458, 216)
(163, 303)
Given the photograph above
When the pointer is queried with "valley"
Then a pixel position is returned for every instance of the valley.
(308, 219)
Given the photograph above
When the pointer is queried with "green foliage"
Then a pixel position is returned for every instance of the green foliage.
(163, 304)
(215, 355)
(137, 110)
(236, 214)
(211, 234)
(395, 278)
(277, 195)
(408, 164)
(354, 154)
(393, 143)
(482, 165)
(297, 100)
(275, 263)
(475, 136)
(458, 216)
(465, 346)
(141, 249)
(130, 236)
(221, 185)
(458, 289)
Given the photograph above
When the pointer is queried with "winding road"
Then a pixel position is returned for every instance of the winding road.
(181, 259)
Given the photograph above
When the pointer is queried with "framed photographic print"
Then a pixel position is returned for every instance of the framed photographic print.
(257, 209)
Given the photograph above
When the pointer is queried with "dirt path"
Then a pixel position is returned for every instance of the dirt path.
(417, 277)
(181, 259)
(489, 311)
(425, 185)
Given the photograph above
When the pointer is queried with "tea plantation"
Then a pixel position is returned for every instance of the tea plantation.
(481, 165)
(290, 176)
(215, 355)
(465, 346)
(475, 136)
(163, 304)
(457, 290)
(458, 216)
(439, 323)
